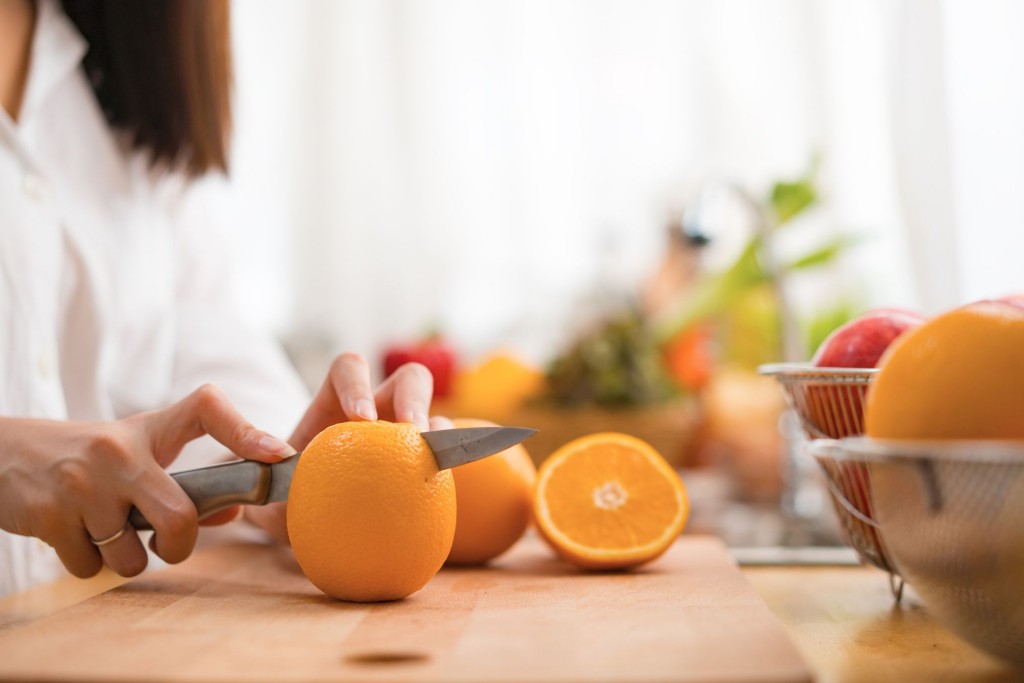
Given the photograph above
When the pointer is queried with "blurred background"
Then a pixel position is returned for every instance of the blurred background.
(615, 210)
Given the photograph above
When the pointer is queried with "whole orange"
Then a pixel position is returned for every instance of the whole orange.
(370, 517)
(609, 501)
(958, 376)
(495, 499)
(495, 388)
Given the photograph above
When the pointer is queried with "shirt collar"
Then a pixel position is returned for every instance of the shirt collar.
(57, 50)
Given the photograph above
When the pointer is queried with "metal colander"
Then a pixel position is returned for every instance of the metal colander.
(952, 515)
(830, 405)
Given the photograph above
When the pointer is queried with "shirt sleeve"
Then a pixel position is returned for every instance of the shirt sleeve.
(213, 342)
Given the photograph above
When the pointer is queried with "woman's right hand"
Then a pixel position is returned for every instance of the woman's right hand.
(70, 482)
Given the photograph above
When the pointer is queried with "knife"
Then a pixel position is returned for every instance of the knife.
(248, 482)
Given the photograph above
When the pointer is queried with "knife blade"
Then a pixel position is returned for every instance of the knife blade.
(454, 447)
(248, 482)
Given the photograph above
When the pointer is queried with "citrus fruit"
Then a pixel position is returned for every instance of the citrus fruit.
(609, 501)
(741, 431)
(495, 502)
(494, 389)
(370, 517)
(958, 376)
(689, 358)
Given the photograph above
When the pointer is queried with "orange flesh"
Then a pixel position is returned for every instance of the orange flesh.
(628, 510)
(609, 501)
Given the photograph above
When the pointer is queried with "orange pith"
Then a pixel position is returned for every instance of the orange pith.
(958, 376)
(369, 515)
(609, 501)
(495, 501)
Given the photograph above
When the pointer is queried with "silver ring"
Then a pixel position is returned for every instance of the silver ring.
(110, 539)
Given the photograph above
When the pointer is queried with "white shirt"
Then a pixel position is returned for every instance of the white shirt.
(114, 291)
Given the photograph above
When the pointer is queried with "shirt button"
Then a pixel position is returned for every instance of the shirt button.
(35, 187)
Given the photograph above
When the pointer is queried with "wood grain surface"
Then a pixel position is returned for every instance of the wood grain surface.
(246, 613)
(846, 624)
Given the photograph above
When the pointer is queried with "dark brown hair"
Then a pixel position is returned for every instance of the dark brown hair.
(161, 70)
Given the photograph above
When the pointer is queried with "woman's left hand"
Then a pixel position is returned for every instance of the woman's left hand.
(347, 394)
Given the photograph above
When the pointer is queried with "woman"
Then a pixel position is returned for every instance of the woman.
(118, 342)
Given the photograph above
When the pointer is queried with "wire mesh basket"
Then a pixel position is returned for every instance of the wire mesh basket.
(828, 401)
(952, 514)
(830, 405)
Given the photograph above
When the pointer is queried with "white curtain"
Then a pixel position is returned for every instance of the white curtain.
(493, 168)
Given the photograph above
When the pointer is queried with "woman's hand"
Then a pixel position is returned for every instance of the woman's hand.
(347, 394)
(70, 482)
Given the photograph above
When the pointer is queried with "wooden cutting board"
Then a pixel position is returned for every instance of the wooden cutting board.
(246, 613)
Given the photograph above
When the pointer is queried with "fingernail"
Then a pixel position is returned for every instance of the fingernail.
(365, 409)
(419, 418)
(274, 445)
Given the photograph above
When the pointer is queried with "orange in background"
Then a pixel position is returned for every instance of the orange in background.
(493, 390)
(370, 517)
(494, 502)
(689, 359)
(609, 501)
(958, 376)
(741, 432)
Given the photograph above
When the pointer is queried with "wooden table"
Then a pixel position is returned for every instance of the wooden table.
(842, 620)
(845, 624)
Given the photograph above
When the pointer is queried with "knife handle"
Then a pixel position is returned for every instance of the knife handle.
(215, 488)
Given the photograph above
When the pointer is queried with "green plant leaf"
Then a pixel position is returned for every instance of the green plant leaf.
(823, 254)
(789, 199)
(824, 322)
(715, 294)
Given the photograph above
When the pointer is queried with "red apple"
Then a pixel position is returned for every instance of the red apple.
(861, 342)
(433, 353)
(1013, 299)
(835, 411)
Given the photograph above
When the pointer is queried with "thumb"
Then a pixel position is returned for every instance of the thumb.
(207, 410)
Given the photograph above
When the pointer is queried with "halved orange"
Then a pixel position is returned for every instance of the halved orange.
(609, 501)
